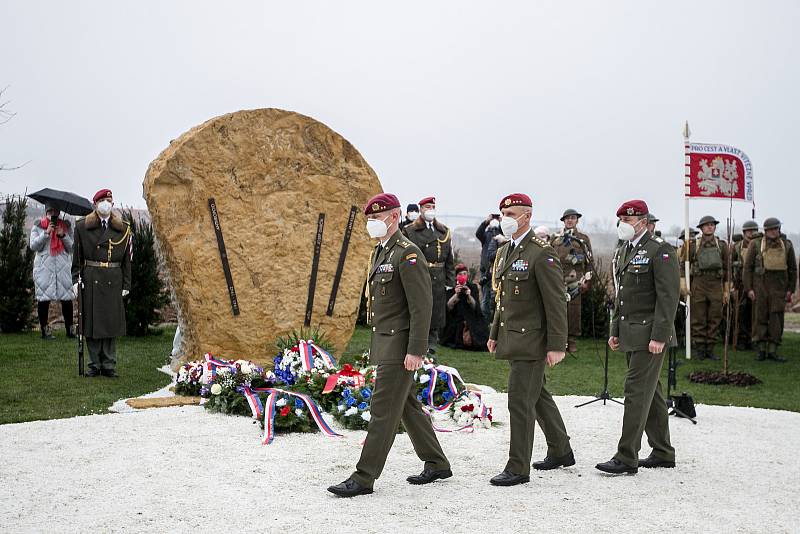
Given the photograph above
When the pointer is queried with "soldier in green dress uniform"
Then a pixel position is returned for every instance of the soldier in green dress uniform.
(399, 310)
(530, 331)
(647, 287)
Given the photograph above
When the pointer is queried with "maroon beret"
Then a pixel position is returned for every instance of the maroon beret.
(100, 195)
(382, 202)
(516, 199)
(427, 200)
(633, 207)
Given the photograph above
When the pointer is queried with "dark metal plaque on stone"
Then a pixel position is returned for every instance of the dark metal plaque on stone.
(226, 268)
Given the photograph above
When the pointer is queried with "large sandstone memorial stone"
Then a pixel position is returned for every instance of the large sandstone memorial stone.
(273, 175)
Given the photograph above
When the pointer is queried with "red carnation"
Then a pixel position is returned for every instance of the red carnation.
(285, 411)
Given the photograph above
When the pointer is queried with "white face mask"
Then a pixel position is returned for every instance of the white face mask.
(509, 225)
(104, 207)
(494, 223)
(377, 228)
(412, 215)
(429, 215)
(626, 231)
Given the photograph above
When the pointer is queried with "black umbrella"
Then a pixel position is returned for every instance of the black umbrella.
(64, 201)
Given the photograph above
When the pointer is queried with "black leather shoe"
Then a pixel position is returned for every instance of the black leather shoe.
(775, 358)
(92, 372)
(615, 467)
(652, 462)
(429, 475)
(349, 488)
(110, 373)
(553, 463)
(507, 478)
(761, 356)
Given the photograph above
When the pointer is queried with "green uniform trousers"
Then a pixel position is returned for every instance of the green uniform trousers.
(574, 319)
(528, 403)
(706, 308)
(645, 410)
(102, 353)
(394, 399)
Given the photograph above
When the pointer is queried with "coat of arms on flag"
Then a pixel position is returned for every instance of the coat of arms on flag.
(718, 171)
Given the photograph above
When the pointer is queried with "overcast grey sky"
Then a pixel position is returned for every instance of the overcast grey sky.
(579, 104)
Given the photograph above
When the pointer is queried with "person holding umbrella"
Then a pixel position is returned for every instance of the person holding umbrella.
(101, 265)
(51, 240)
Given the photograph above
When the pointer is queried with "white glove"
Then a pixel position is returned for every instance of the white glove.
(75, 289)
(125, 292)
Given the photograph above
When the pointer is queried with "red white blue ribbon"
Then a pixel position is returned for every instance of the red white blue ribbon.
(268, 410)
(451, 386)
(211, 365)
(326, 356)
(307, 350)
(306, 355)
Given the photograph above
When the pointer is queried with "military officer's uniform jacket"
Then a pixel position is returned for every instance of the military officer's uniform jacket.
(399, 301)
(531, 316)
(437, 250)
(103, 259)
(647, 286)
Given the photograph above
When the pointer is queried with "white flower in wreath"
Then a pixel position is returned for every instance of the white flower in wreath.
(298, 412)
(340, 408)
(366, 416)
(224, 371)
(216, 389)
(318, 363)
(351, 411)
(424, 379)
(281, 402)
(245, 368)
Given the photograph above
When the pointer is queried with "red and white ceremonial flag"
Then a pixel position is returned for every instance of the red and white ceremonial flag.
(718, 171)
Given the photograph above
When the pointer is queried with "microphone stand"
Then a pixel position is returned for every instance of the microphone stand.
(604, 395)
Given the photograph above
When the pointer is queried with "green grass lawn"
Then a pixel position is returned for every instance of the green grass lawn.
(39, 379)
(583, 374)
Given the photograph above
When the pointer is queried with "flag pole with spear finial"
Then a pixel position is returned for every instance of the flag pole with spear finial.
(687, 237)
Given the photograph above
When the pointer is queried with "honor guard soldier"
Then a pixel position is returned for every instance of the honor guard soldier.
(101, 270)
(434, 240)
(399, 310)
(770, 277)
(530, 331)
(743, 320)
(574, 249)
(708, 260)
(647, 287)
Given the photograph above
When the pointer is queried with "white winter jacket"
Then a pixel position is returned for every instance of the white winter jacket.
(52, 275)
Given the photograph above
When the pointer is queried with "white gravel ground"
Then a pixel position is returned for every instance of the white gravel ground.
(183, 470)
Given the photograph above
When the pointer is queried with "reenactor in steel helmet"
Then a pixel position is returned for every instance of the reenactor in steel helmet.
(770, 276)
(743, 318)
(708, 259)
(574, 249)
(651, 225)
